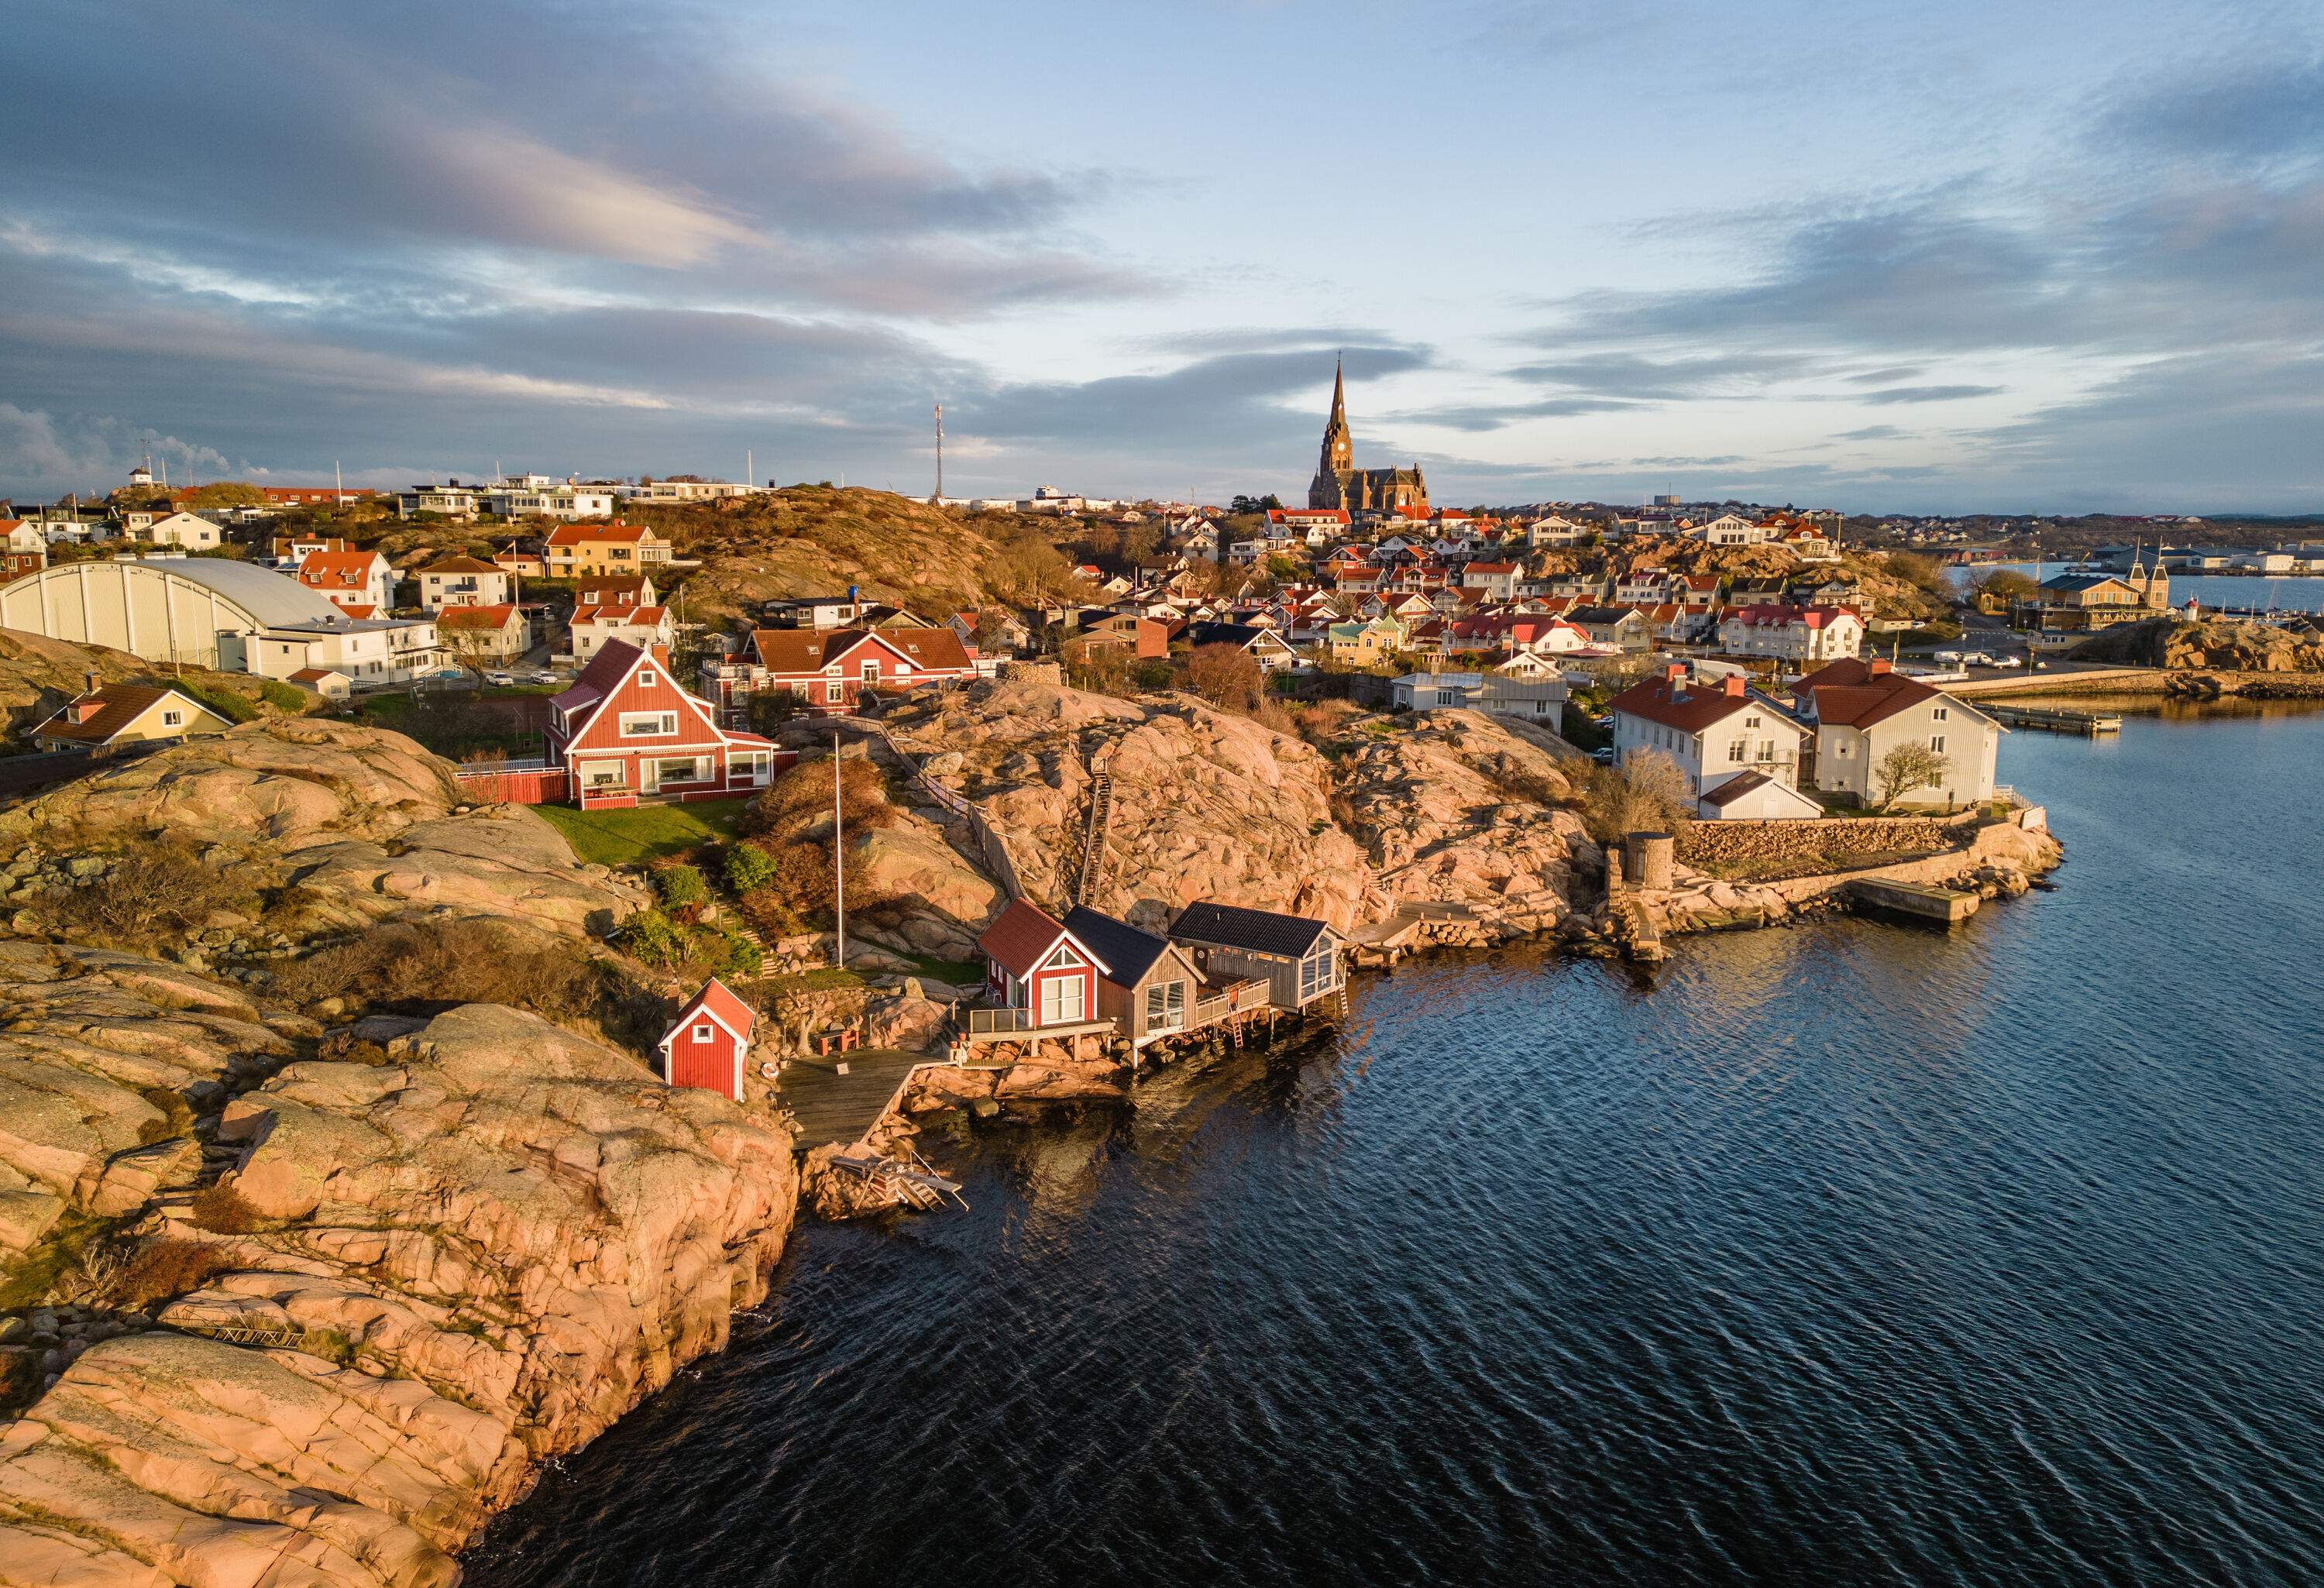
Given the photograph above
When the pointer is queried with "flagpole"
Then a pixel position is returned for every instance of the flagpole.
(838, 861)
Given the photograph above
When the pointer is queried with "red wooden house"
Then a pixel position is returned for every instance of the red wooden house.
(1034, 965)
(830, 670)
(626, 731)
(709, 1041)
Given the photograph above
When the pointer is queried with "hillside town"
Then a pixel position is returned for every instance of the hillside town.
(791, 830)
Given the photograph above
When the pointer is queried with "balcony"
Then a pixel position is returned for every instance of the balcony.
(997, 1025)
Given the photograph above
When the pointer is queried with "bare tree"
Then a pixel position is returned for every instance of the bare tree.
(1909, 766)
(1645, 793)
(1227, 675)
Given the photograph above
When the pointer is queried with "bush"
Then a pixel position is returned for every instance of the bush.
(1646, 794)
(728, 954)
(222, 1210)
(799, 801)
(655, 938)
(162, 1271)
(462, 962)
(161, 889)
(288, 696)
(681, 889)
(234, 708)
(748, 868)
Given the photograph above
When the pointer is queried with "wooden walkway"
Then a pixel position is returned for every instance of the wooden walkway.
(832, 1107)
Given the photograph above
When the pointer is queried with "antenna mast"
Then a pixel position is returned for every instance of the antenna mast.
(838, 858)
(940, 452)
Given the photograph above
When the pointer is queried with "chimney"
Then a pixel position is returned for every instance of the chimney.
(1735, 686)
(1676, 672)
(660, 653)
(95, 682)
(1879, 665)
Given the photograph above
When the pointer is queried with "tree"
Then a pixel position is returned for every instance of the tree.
(1255, 504)
(472, 646)
(1645, 793)
(1909, 766)
(1227, 675)
(2001, 585)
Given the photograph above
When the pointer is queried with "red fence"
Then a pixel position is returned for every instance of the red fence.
(515, 785)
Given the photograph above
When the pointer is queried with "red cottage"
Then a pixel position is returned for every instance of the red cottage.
(707, 1045)
(830, 670)
(625, 731)
(1034, 965)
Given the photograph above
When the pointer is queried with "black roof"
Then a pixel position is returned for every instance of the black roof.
(1259, 931)
(1241, 635)
(1601, 614)
(1128, 953)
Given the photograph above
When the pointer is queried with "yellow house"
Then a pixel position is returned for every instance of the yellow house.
(615, 547)
(127, 714)
(1363, 644)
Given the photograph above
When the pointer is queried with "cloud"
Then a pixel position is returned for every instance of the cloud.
(2251, 110)
(1487, 416)
(1639, 378)
(1894, 394)
(1872, 433)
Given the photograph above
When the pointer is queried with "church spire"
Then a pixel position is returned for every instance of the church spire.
(1339, 393)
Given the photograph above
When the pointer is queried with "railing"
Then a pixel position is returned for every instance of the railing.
(1007, 1022)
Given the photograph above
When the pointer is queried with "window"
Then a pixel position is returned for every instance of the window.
(642, 724)
(1067, 959)
(1318, 972)
(1062, 1000)
(604, 774)
(703, 1031)
(1166, 1006)
(1937, 741)
(1939, 714)
(170, 719)
(871, 672)
(1735, 750)
(686, 769)
(645, 678)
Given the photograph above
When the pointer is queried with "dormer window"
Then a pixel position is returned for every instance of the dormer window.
(645, 678)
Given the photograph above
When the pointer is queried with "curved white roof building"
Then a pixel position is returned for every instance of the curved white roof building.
(214, 613)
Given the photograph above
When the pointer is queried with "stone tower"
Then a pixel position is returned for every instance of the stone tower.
(1338, 445)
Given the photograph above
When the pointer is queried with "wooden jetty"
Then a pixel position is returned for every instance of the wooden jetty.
(2055, 719)
(840, 1097)
(908, 1179)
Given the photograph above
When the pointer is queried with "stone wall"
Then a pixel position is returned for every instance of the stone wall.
(1717, 843)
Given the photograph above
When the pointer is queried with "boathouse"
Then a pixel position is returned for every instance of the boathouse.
(1300, 959)
(708, 1042)
(1150, 986)
(1041, 975)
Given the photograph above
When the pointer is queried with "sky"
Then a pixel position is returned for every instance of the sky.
(1978, 257)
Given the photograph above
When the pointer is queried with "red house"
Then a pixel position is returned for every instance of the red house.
(830, 670)
(1033, 963)
(625, 731)
(711, 1039)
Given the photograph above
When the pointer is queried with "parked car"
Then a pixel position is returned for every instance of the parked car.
(504, 680)
(2011, 661)
(543, 676)
(1603, 755)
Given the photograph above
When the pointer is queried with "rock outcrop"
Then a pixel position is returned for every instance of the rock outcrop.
(1205, 804)
(1459, 808)
(2210, 645)
(105, 1061)
(458, 1262)
(364, 823)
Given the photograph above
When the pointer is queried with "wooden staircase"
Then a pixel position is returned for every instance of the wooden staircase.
(1091, 870)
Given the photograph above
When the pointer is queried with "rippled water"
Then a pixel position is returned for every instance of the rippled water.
(1849, 1253)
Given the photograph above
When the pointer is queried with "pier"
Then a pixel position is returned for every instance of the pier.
(1917, 902)
(2056, 719)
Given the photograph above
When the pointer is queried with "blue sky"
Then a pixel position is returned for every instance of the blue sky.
(1881, 257)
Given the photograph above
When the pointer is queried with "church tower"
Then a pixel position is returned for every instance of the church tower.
(1337, 464)
(1338, 445)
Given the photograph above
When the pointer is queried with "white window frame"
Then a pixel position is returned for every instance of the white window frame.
(1059, 1009)
(665, 722)
(703, 1031)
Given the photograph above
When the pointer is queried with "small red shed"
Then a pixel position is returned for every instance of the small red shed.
(709, 1041)
(1033, 963)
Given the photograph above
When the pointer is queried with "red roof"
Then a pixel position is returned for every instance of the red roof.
(810, 650)
(646, 617)
(1688, 707)
(719, 1002)
(1853, 694)
(1021, 938)
(1492, 568)
(338, 570)
(476, 617)
(1813, 617)
(591, 534)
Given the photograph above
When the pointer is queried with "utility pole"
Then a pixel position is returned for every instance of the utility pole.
(939, 452)
(838, 861)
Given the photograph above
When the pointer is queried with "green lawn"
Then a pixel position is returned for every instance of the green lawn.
(643, 832)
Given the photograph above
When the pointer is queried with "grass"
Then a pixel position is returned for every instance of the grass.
(959, 972)
(644, 832)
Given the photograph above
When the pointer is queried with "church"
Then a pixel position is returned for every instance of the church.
(1338, 482)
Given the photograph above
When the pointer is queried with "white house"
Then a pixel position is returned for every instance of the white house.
(187, 531)
(1791, 634)
(465, 581)
(1712, 729)
(1754, 796)
(1863, 710)
(361, 584)
(559, 499)
(448, 501)
(1731, 529)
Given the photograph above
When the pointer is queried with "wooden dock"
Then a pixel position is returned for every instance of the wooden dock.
(2055, 719)
(834, 1107)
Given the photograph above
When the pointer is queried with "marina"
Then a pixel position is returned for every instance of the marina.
(2056, 719)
